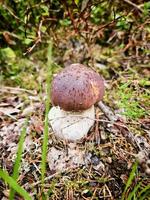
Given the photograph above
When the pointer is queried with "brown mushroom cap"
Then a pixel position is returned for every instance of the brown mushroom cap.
(77, 88)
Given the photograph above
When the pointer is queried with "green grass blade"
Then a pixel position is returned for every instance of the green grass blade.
(13, 184)
(133, 193)
(44, 149)
(144, 192)
(145, 195)
(130, 179)
(17, 164)
(45, 139)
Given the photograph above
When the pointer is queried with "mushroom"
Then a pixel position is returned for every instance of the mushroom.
(74, 92)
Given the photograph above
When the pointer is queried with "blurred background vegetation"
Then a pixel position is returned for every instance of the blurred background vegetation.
(98, 33)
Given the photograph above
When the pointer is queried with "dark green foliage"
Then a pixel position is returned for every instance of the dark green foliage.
(23, 20)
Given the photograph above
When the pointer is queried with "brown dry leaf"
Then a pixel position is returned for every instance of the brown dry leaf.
(37, 124)
(28, 110)
(59, 160)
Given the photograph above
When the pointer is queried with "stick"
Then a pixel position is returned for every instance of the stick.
(134, 5)
(15, 90)
(108, 113)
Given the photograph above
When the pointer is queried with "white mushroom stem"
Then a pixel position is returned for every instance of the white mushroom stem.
(71, 126)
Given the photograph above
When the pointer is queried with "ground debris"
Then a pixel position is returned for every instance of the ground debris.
(117, 126)
(97, 167)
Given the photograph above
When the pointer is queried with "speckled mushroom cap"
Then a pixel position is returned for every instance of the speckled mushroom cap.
(76, 88)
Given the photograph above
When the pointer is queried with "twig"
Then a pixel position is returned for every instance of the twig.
(39, 182)
(11, 12)
(134, 5)
(108, 113)
(35, 6)
(105, 109)
(15, 90)
(108, 24)
(81, 117)
(33, 46)
(38, 40)
(9, 115)
(47, 178)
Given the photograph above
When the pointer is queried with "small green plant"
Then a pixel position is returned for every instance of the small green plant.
(101, 12)
(129, 102)
(123, 24)
(13, 184)
(47, 104)
(130, 179)
(18, 159)
(139, 191)
(12, 181)
(16, 71)
(65, 22)
(146, 8)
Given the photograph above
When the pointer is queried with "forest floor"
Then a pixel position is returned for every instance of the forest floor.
(99, 166)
